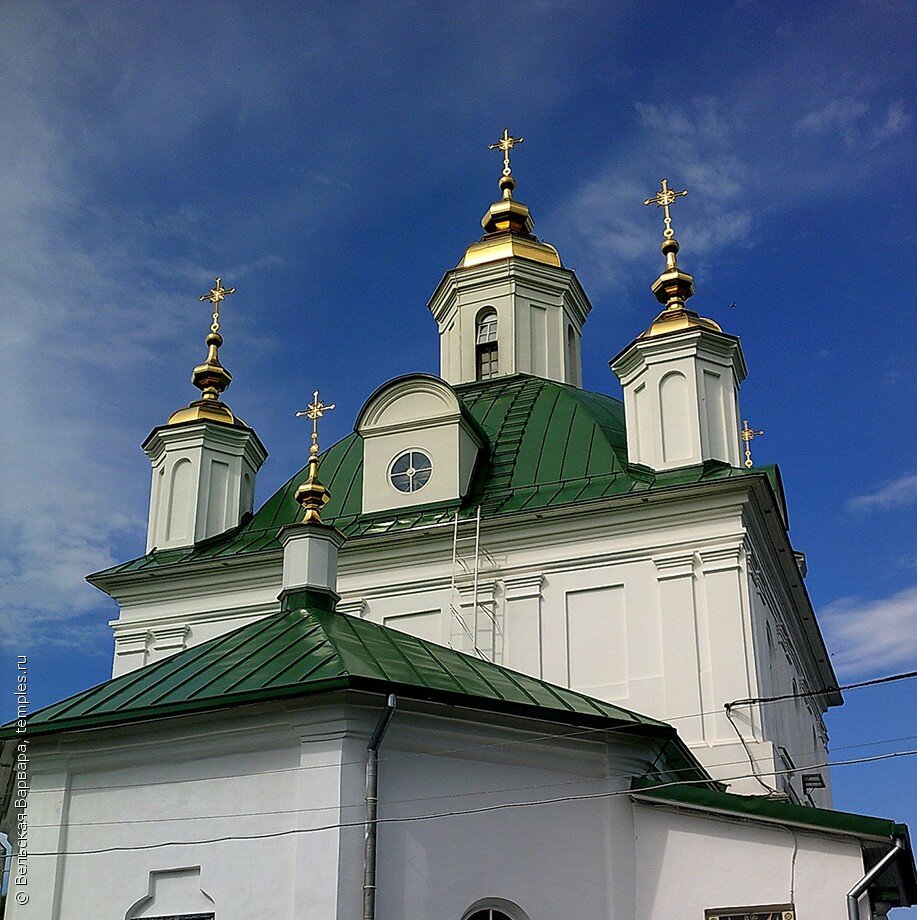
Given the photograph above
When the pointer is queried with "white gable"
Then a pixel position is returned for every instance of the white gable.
(418, 447)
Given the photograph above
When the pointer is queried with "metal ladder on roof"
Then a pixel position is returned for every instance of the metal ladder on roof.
(480, 619)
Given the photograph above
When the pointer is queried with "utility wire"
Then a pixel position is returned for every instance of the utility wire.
(798, 695)
(751, 758)
(529, 739)
(889, 678)
(590, 796)
(455, 795)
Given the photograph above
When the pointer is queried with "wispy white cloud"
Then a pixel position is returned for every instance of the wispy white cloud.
(97, 296)
(758, 147)
(694, 145)
(861, 123)
(872, 636)
(895, 494)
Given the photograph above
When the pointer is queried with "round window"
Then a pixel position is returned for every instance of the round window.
(411, 471)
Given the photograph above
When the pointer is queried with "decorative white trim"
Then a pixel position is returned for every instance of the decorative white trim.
(721, 559)
(170, 636)
(132, 643)
(355, 607)
(678, 565)
(521, 587)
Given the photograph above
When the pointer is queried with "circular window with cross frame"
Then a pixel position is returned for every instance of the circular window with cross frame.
(410, 471)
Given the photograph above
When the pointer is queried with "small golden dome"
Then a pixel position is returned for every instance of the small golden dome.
(675, 320)
(494, 247)
(508, 224)
(204, 410)
(672, 288)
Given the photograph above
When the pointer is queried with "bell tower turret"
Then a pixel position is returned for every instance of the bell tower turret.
(510, 306)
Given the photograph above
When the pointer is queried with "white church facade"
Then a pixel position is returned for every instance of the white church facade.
(538, 628)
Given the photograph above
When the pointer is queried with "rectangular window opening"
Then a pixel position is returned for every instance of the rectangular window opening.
(488, 364)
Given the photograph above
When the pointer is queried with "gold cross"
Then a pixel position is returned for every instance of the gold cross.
(215, 296)
(748, 435)
(315, 410)
(506, 143)
(664, 198)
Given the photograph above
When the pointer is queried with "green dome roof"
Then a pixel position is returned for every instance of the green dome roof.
(550, 444)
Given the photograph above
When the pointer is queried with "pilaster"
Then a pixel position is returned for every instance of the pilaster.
(130, 651)
(353, 606)
(729, 629)
(680, 653)
(522, 598)
(169, 639)
(476, 621)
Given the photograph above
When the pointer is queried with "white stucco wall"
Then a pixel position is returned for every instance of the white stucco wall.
(689, 862)
(299, 766)
(303, 767)
(651, 606)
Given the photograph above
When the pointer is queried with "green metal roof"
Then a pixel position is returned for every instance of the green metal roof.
(550, 444)
(310, 650)
(759, 806)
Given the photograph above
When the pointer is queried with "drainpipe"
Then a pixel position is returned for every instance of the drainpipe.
(372, 802)
(853, 896)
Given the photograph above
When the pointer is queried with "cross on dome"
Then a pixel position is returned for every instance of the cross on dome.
(664, 198)
(314, 411)
(748, 435)
(312, 494)
(217, 294)
(506, 143)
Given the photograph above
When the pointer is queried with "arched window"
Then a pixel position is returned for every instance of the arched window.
(494, 909)
(485, 345)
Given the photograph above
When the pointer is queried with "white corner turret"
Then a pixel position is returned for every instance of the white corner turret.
(681, 377)
(204, 459)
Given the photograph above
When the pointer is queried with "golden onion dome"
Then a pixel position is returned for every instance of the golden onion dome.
(672, 288)
(508, 234)
(204, 410)
(211, 378)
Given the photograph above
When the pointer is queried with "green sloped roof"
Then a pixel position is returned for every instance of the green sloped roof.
(309, 650)
(549, 443)
(760, 806)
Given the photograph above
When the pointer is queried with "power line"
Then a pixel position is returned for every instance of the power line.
(530, 739)
(797, 695)
(456, 795)
(889, 678)
(445, 814)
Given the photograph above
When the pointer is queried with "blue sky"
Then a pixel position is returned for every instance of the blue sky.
(330, 161)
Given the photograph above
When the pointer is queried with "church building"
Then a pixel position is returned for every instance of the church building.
(508, 651)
